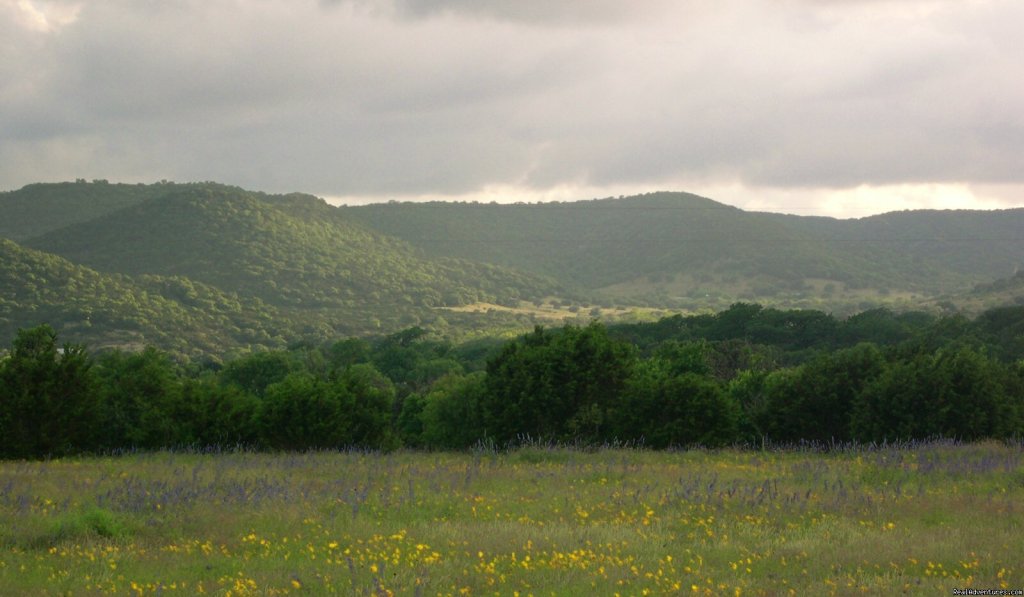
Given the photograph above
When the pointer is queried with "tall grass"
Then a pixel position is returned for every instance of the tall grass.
(541, 519)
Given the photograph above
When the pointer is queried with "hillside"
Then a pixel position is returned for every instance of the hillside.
(172, 264)
(106, 310)
(999, 293)
(286, 252)
(665, 247)
(39, 208)
(309, 272)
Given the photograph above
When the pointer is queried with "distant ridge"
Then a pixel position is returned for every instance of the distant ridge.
(226, 269)
(600, 243)
(268, 269)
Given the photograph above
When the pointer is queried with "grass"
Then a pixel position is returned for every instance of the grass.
(919, 519)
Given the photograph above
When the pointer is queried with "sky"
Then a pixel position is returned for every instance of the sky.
(815, 107)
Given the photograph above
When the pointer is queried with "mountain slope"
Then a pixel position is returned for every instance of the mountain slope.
(601, 243)
(290, 251)
(174, 264)
(40, 208)
(103, 310)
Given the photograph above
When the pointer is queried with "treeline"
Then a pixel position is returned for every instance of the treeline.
(743, 376)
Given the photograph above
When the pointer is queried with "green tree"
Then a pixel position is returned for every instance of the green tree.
(956, 392)
(141, 398)
(367, 405)
(302, 412)
(665, 408)
(899, 404)
(218, 414)
(255, 372)
(47, 397)
(451, 413)
(815, 401)
(557, 385)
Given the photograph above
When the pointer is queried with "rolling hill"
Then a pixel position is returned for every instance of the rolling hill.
(105, 310)
(39, 208)
(288, 251)
(219, 268)
(305, 270)
(654, 246)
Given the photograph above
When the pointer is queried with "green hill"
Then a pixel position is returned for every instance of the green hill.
(999, 293)
(664, 247)
(218, 268)
(106, 310)
(288, 251)
(39, 208)
(310, 270)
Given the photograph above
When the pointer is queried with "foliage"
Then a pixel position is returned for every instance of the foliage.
(204, 269)
(746, 376)
(292, 252)
(107, 310)
(658, 237)
(141, 393)
(557, 385)
(664, 409)
(48, 397)
(452, 412)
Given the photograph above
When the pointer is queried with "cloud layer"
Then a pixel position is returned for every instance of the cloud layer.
(374, 99)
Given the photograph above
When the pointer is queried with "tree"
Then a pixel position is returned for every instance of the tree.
(218, 414)
(302, 412)
(956, 392)
(451, 412)
(47, 397)
(815, 401)
(557, 385)
(257, 371)
(899, 404)
(368, 398)
(666, 408)
(141, 394)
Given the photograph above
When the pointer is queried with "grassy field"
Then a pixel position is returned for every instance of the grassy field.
(922, 519)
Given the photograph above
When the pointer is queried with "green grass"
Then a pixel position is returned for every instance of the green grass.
(923, 519)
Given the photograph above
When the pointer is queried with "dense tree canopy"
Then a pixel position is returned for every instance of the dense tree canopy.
(747, 376)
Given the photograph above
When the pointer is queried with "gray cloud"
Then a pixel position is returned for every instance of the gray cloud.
(408, 97)
(534, 12)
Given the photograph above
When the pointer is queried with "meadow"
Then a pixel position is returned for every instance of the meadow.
(923, 518)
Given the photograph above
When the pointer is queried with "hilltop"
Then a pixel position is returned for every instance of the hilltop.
(209, 263)
(682, 250)
(296, 267)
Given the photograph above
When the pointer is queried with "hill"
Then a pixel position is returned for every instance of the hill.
(103, 310)
(679, 249)
(999, 293)
(39, 208)
(288, 251)
(263, 270)
(309, 271)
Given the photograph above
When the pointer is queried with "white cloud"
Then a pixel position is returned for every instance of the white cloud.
(41, 16)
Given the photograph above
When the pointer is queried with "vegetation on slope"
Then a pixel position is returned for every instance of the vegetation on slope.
(40, 208)
(662, 237)
(297, 266)
(110, 310)
(283, 255)
(311, 271)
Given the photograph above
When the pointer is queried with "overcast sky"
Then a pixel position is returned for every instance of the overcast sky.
(832, 107)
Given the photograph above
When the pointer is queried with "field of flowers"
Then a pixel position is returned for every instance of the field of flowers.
(919, 519)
